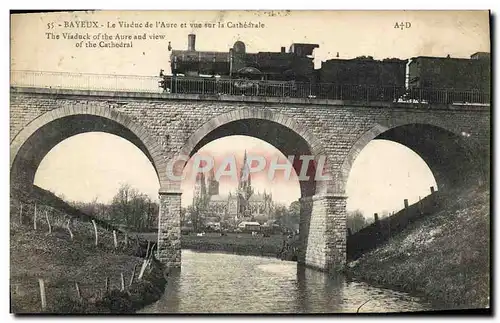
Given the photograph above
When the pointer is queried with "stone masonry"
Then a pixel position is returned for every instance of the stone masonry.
(323, 232)
(453, 140)
(169, 229)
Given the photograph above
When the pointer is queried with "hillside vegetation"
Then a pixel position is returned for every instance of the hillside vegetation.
(444, 256)
(64, 258)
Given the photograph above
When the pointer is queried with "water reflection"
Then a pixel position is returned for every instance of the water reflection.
(318, 292)
(224, 283)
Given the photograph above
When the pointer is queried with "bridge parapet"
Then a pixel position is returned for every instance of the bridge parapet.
(130, 94)
(248, 90)
(84, 81)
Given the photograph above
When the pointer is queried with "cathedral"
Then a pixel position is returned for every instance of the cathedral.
(244, 204)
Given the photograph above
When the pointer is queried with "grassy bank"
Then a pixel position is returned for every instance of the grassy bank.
(444, 256)
(237, 243)
(63, 259)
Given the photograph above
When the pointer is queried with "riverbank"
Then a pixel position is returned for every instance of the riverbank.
(241, 244)
(444, 256)
(236, 243)
(78, 274)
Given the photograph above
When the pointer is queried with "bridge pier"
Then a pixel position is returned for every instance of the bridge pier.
(323, 232)
(169, 229)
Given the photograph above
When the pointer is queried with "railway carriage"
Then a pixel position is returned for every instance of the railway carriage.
(362, 78)
(445, 79)
(292, 74)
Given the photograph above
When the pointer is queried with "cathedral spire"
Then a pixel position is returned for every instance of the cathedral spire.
(211, 175)
(245, 173)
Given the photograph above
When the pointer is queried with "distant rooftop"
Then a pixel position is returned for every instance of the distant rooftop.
(249, 223)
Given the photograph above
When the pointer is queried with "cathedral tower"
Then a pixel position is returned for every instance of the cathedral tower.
(213, 184)
(200, 190)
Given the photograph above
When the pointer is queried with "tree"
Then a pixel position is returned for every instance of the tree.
(356, 221)
(128, 207)
(93, 208)
(120, 205)
(196, 211)
(184, 215)
(280, 212)
(133, 209)
(153, 210)
(294, 212)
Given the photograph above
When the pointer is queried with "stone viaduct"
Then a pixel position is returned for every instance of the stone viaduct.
(453, 140)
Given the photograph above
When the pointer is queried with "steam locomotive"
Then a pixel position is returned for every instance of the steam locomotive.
(292, 73)
(297, 64)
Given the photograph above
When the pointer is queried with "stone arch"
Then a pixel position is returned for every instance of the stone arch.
(37, 138)
(251, 113)
(445, 160)
(204, 134)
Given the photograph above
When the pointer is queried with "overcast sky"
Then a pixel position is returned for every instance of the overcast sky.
(384, 173)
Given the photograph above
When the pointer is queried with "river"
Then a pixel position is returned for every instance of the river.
(227, 283)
